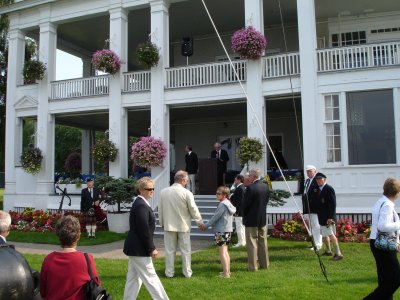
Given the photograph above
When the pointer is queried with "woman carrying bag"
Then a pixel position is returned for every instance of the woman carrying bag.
(386, 226)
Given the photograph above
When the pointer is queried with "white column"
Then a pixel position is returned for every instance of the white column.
(85, 151)
(87, 67)
(45, 121)
(117, 114)
(256, 102)
(308, 77)
(160, 111)
(16, 50)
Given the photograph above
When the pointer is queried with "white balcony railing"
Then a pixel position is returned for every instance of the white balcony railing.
(360, 56)
(82, 87)
(281, 65)
(137, 81)
(205, 74)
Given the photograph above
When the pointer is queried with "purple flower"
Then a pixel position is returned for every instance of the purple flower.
(249, 43)
(107, 61)
(149, 152)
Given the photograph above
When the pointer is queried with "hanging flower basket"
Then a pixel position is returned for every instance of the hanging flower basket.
(149, 152)
(107, 61)
(249, 43)
(33, 70)
(104, 151)
(148, 54)
(250, 149)
(31, 160)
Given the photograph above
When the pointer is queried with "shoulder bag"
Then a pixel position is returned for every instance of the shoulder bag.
(93, 290)
(385, 241)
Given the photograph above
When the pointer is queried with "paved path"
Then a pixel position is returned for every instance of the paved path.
(111, 250)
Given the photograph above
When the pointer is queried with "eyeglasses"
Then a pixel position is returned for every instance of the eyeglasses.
(218, 193)
(149, 189)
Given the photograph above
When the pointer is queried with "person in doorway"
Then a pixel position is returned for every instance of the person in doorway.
(326, 210)
(222, 159)
(221, 222)
(90, 197)
(192, 165)
(237, 200)
(175, 212)
(309, 206)
(255, 220)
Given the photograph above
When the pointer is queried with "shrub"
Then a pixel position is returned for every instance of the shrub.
(31, 160)
(33, 70)
(147, 54)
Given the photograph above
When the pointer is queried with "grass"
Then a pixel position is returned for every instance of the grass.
(294, 273)
(102, 237)
(1, 198)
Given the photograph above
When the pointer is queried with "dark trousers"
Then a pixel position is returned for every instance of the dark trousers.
(388, 270)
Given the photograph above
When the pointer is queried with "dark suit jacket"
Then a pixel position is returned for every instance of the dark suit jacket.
(223, 159)
(2, 242)
(142, 224)
(326, 204)
(86, 200)
(310, 206)
(237, 199)
(255, 204)
(192, 163)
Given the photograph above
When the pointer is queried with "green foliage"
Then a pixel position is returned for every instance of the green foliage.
(33, 70)
(117, 190)
(276, 197)
(68, 140)
(293, 273)
(104, 151)
(147, 54)
(31, 160)
(250, 149)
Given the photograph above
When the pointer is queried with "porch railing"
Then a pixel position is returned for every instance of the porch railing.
(360, 56)
(281, 65)
(137, 81)
(82, 87)
(205, 74)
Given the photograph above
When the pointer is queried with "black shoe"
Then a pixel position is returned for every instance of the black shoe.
(327, 253)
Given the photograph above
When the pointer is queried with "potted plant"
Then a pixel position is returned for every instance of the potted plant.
(107, 61)
(33, 70)
(149, 152)
(147, 54)
(73, 186)
(249, 43)
(104, 151)
(116, 193)
(250, 149)
(31, 160)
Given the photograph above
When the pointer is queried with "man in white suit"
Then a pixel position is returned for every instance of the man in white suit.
(175, 212)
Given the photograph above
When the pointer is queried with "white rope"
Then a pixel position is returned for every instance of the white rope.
(254, 114)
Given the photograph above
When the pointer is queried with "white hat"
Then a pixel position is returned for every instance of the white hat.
(310, 167)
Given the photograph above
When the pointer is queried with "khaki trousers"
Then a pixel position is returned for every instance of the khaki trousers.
(172, 241)
(257, 248)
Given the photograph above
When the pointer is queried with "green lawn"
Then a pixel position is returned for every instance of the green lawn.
(294, 273)
(1, 198)
(102, 237)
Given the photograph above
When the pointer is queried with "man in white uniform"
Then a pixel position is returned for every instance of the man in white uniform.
(175, 212)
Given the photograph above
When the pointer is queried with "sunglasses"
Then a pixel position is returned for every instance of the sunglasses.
(149, 189)
(218, 193)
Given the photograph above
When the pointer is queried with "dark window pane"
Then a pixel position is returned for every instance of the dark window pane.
(348, 36)
(371, 140)
(355, 35)
(362, 35)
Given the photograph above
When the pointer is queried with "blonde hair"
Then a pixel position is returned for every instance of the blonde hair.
(223, 190)
(5, 221)
(143, 182)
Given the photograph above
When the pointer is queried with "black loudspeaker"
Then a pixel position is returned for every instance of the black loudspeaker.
(187, 47)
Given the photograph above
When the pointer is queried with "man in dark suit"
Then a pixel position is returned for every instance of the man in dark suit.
(326, 210)
(237, 200)
(222, 159)
(192, 165)
(309, 205)
(5, 223)
(255, 219)
(90, 197)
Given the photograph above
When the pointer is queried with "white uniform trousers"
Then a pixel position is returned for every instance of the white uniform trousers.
(172, 241)
(141, 269)
(192, 183)
(240, 230)
(315, 229)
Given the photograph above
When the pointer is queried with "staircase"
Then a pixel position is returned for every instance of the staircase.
(207, 205)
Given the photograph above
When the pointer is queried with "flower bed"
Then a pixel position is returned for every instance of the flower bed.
(346, 230)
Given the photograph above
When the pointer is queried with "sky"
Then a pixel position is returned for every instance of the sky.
(67, 66)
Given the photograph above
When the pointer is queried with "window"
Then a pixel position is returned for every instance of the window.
(332, 129)
(370, 127)
(349, 38)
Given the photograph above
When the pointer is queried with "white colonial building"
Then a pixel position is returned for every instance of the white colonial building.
(328, 87)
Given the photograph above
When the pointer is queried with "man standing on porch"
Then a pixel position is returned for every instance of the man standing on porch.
(310, 205)
(222, 159)
(175, 212)
(192, 165)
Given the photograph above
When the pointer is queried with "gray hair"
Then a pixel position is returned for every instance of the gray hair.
(180, 175)
(5, 221)
(255, 173)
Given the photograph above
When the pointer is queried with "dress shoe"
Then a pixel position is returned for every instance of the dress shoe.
(337, 257)
(326, 253)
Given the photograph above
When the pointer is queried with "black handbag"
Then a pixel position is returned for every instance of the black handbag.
(93, 290)
(385, 241)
